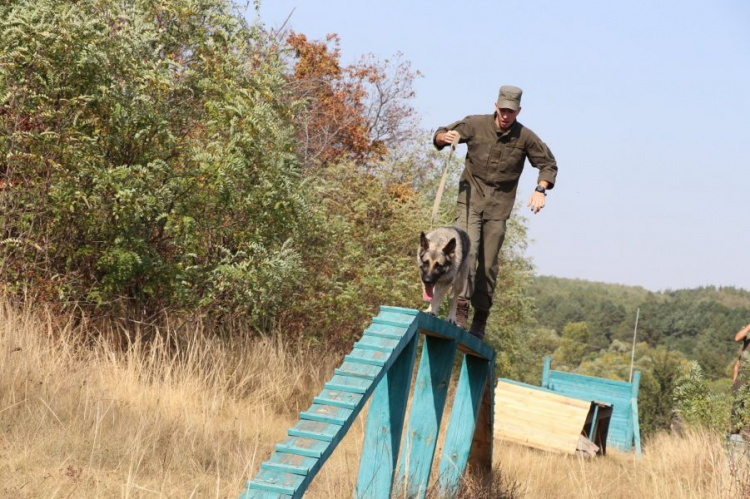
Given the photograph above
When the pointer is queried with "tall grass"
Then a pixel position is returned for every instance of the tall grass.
(179, 416)
(187, 415)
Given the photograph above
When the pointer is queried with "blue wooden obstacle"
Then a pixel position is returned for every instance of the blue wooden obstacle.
(624, 428)
(380, 366)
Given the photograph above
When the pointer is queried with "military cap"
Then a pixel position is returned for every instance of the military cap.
(509, 97)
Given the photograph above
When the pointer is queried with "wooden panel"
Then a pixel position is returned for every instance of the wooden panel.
(460, 434)
(428, 402)
(537, 418)
(385, 424)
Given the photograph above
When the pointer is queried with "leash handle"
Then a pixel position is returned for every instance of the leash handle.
(441, 187)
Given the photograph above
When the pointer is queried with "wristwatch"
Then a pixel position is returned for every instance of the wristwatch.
(541, 189)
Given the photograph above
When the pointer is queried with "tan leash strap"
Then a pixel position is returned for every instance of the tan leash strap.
(441, 187)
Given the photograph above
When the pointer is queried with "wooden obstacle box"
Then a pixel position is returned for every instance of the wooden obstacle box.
(380, 368)
(542, 419)
(624, 427)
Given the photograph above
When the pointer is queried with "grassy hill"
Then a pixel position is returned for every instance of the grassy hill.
(700, 322)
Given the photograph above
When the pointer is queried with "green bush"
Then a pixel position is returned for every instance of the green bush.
(146, 158)
(698, 403)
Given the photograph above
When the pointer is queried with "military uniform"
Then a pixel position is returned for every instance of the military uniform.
(487, 190)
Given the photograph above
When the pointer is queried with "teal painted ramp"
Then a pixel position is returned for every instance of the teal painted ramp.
(624, 427)
(380, 368)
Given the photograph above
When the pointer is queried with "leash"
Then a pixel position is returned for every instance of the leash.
(441, 187)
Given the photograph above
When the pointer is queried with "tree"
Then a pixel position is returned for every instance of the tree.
(357, 112)
(573, 345)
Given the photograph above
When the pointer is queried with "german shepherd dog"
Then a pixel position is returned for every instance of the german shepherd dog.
(442, 259)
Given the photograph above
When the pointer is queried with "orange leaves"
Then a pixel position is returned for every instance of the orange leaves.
(353, 112)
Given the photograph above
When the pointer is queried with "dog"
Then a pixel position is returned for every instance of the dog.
(443, 266)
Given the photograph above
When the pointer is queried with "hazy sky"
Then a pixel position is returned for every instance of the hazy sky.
(645, 104)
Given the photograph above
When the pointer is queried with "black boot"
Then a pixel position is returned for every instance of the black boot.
(479, 323)
(462, 313)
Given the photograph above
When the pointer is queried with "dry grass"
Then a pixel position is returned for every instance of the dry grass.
(185, 416)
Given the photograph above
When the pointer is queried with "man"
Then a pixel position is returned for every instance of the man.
(738, 416)
(498, 145)
(741, 336)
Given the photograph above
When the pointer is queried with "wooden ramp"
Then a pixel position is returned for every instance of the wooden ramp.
(380, 366)
(624, 431)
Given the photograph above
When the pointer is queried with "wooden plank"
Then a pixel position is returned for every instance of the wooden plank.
(391, 319)
(303, 446)
(428, 402)
(276, 481)
(368, 342)
(327, 414)
(338, 399)
(290, 463)
(371, 357)
(348, 384)
(249, 493)
(366, 371)
(385, 331)
(399, 310)
(385, 423)
(316, 430)
(460, 434)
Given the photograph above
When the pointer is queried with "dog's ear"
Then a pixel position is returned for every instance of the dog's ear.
(423, 244)
(450, 248)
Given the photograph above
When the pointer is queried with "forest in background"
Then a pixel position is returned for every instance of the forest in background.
(172, 163)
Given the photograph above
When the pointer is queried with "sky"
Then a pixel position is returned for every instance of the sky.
(645, 105)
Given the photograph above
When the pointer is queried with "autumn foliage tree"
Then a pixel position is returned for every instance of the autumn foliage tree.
(357, 112)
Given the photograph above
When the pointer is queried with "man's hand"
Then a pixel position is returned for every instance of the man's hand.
(742, 333)
(448, 138)
(536, 202)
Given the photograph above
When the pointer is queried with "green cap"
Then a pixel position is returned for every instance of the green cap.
(509, 97)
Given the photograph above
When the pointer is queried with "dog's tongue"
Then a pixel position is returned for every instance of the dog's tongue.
(427, 292)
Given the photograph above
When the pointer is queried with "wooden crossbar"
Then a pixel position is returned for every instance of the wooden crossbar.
(380, 368)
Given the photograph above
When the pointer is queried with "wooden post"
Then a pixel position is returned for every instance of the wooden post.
(634, 413)
(545, 372)
(480, 458)
(385, 423)
(472, 384)
(428, 402)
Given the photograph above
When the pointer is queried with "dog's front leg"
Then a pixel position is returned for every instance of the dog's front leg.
(453, 308)
(437, 299)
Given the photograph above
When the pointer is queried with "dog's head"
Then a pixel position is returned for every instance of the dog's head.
(434, 261)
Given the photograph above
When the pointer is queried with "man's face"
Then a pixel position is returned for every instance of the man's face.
(506, 117)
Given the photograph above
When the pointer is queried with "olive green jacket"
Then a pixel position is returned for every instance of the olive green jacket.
(494, 163)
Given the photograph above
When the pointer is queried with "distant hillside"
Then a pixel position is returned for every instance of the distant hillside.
(698, 322)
